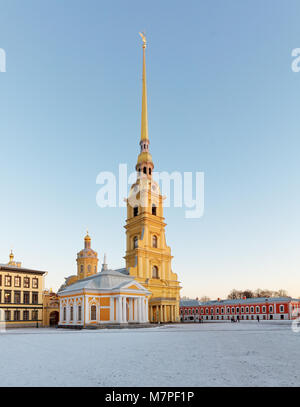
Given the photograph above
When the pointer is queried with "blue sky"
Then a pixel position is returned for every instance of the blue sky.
(222, 99)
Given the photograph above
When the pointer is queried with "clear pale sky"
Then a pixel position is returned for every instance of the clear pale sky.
(222, 99)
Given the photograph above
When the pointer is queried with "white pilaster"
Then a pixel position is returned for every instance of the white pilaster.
(124, 310)
(135, 310)
(119, 310)
(130, 310)
(146, 310)
(139, 309)
(112, 309)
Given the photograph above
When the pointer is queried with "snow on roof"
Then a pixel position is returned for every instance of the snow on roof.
(105, 280)
(195, 303)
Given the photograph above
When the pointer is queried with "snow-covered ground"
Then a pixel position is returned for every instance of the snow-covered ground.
(209, 354)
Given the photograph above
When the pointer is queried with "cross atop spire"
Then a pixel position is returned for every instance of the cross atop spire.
(144, 163)
(144, 124)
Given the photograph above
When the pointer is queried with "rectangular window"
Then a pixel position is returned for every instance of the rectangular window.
(65, 314)
(7, 297)
(7, 281)
(26, 297)
(281, 308)
(71, 314)
(35, 283)
(17, 315)
(26, 315)
(0, 296)
(7, 315)
(26, 282)
(17, 297)
(0, 279)
(35, 298)
(79, 313)
(17, 281)
(34, 315)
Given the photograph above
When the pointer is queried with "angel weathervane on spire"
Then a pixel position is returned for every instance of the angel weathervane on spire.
(143, 35)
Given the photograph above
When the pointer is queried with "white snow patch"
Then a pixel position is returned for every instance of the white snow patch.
(208, 354)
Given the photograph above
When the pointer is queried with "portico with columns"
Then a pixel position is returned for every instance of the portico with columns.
(109, 297)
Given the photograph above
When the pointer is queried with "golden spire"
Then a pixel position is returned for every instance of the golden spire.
(11, 257)
(144, 124)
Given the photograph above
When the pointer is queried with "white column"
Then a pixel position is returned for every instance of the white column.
(130, 309)
(135, 309)
(119, 310)
(147, 310)
(112, 309)
(143, 309)
(124, 310)
(140, 309)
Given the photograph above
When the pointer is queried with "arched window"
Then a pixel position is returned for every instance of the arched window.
(65, 314)
(89, 268)
(145, 170)
(81, 269)
(93, 312)
(154, 241)
(155, 272)
(149, 171)
(135, 211)
(135, 242)
(79, 313)
(153, 209)
(71, 314)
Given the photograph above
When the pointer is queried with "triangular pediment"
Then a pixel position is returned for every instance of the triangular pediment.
(133, 287)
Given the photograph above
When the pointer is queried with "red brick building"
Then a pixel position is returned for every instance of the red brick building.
(240, 309)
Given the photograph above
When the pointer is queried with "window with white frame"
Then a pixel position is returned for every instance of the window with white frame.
(281, 308)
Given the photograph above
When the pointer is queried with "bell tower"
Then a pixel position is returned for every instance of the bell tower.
(87, 260)
(148, 258)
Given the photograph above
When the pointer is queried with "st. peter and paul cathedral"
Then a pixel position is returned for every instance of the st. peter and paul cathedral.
(146, 290)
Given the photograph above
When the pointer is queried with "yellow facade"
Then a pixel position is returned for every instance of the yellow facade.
(87, 263)
(21, 295)
(87, 260)
(50, 308)
(148, 258)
